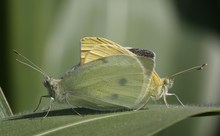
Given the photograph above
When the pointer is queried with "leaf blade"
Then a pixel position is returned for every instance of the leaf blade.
(143, 122)
(5, 110)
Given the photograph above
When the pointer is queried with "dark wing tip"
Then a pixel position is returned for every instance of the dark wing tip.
(143, 52)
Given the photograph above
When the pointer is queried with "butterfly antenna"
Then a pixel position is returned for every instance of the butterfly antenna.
(30, 63)
(200, 67)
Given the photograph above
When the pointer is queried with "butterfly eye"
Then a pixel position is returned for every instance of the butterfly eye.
(166, 81)
(46, 83)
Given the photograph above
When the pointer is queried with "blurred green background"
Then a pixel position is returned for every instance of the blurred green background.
(182, 33)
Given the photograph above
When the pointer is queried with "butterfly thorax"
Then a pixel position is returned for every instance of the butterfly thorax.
(54, 89)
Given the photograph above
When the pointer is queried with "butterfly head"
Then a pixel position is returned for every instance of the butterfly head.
(168, 82)
(54, 88)
(51, 86)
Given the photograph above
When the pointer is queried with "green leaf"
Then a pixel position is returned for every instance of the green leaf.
(93, 123)
(5, 110)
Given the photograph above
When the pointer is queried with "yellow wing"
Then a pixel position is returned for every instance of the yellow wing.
(93, 48)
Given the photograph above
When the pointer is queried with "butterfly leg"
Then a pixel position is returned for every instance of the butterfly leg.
(45, 96)
(73, 108)
(143, 105)
(169, 94)
(50, 106)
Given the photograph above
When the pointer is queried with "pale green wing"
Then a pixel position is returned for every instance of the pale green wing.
(110, 83)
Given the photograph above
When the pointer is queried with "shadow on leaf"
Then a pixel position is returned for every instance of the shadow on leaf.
(63, 112)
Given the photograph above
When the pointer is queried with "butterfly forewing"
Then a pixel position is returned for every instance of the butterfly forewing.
(93, 48)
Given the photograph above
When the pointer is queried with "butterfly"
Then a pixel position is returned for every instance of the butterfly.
(109, 83)
(93, 48)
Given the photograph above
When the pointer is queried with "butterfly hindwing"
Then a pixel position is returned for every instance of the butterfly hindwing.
(109, 83)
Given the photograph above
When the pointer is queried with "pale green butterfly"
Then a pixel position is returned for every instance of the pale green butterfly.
(110, 83)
